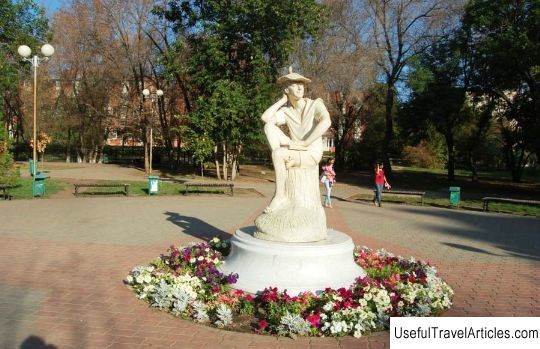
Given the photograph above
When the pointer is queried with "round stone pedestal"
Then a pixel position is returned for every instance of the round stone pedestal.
(295, 267)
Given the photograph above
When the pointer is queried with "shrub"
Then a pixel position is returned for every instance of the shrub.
(422, 155)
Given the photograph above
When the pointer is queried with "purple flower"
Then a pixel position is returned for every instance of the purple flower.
(231, 278)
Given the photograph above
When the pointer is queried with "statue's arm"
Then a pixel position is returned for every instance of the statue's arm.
(322, 126)
(269, 114)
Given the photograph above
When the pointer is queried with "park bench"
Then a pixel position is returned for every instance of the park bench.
(198, 185)
(5, 191)
(102, 185)
(486, 201)
(405, 192)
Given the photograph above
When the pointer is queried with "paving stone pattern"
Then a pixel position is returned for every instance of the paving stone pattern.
(63, 261)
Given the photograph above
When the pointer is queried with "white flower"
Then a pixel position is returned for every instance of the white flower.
(192, 260)
(200, 258)
(147, 278)
(328, 306)
(129, 279)
(139, 279)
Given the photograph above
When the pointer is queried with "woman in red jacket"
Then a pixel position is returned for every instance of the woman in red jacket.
(380, 183)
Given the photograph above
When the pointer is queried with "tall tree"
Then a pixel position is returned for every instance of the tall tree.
(341, 65)
(441, 94)
(237, 48)
(402, 29)
(21, 22)
(87, 80)
(503, 38)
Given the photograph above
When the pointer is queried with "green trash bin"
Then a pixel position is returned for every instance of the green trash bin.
(105, 158)
(38, 185)
(153, 184)
(454, 196)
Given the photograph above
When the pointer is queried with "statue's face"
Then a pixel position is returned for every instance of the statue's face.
(295, 90)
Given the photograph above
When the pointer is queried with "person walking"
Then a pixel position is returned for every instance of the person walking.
(380, 183)
(329, 176)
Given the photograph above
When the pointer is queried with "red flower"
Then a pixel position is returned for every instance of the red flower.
(314, 320)
(262, 325)
(412, 279)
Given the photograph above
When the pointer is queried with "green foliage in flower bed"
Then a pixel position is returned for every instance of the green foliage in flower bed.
(186, 282)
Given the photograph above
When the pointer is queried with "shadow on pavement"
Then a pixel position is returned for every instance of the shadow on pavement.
(34, 342)
(519, 236)
(469, 248)
(196, 227)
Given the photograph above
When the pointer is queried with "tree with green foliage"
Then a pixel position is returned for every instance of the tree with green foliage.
(8, 172)
(21, 22)
(401, 31)
(237, 49)
(503, 40)
(441, 94)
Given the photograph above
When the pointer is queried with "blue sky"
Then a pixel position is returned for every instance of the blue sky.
(50, 5)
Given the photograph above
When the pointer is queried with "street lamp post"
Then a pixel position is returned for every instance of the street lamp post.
(25, 51)
(153, 98)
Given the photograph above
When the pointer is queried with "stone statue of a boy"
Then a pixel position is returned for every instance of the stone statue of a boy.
(307, 120)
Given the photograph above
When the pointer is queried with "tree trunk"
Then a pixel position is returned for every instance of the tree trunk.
(472, 167)
(216, 161)
(451, 156)
(389, 130)
(225, 169)
(68, 146)
(235, 166)
(302, 218)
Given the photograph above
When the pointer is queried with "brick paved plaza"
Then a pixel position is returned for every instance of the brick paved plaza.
(63, 261)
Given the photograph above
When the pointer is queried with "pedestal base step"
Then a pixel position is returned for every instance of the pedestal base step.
(295, 267)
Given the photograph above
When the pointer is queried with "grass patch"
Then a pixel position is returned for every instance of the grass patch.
(136, 188)
(469, 204)
(140, 188)
(23, 188)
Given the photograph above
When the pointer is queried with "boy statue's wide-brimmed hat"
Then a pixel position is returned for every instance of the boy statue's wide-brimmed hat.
(292, 77)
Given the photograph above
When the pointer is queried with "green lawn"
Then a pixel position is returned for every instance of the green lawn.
(138, 188)
(436, 185)
(23, 188)
(469, 204)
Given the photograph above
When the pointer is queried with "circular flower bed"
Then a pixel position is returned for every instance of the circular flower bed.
(186, 282)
